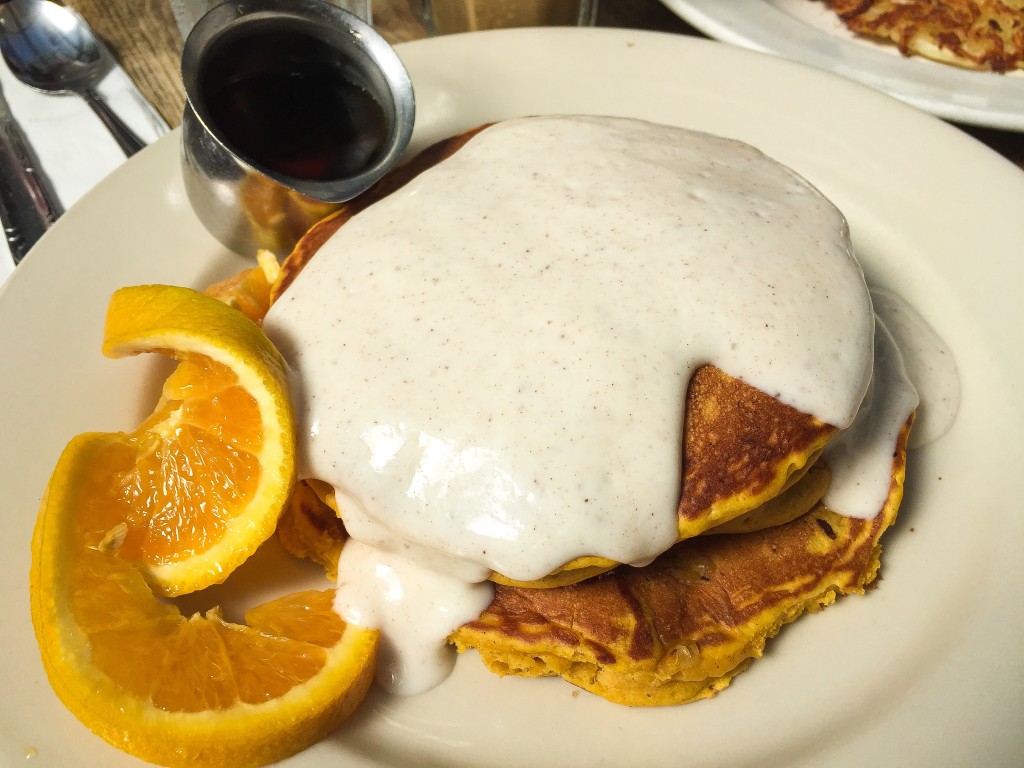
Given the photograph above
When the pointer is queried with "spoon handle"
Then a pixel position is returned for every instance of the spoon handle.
(123, 135)
(28, 201)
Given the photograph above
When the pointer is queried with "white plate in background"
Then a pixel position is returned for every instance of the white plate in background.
(808, 32)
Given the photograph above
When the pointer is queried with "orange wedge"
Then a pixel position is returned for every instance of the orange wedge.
(249, 290)
(175, 690)
(211, 469)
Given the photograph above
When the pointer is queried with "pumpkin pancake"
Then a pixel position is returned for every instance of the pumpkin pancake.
(681, 628)
(310, 528)
(741, 447)
(798, 498)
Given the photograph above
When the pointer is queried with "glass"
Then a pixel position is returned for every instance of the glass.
(401, 20)
(188, 12)
(450, 16)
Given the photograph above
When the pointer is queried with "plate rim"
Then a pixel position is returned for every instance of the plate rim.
(940, 89)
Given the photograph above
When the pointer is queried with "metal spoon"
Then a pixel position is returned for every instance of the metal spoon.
(51, 48)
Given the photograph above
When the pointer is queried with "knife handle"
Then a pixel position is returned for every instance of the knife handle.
(28, 202)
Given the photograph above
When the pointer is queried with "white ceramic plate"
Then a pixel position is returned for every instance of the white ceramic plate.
(807, 31)
(926, 670)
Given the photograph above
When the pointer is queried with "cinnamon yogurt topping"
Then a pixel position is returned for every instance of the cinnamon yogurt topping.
(491, 363)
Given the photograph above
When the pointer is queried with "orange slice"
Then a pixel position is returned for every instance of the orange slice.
(249, 290)
(212, 467)
(175, 690)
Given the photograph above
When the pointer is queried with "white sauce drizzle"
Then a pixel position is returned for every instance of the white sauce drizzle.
(860, 457)
(929, 362)
(490, 364)
(407, 602)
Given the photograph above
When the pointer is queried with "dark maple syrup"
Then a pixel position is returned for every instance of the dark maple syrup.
(290, 103)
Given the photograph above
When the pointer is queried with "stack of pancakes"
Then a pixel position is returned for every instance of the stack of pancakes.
(757, 547)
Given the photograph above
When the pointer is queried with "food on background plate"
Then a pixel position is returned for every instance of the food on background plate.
(975, 34)
(494, 361)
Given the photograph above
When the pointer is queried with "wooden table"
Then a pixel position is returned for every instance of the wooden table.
(144, 38)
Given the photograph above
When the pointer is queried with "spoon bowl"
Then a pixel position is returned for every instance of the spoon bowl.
(50, 48)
